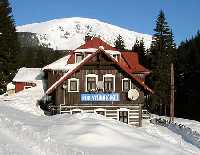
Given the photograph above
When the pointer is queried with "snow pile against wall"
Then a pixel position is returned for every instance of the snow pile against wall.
(25, 130)
(83, 134)
(25, 100)
(187, 133)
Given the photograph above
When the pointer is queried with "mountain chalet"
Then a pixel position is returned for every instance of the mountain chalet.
(97, 78)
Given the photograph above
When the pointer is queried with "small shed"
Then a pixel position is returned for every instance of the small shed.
(26, 78)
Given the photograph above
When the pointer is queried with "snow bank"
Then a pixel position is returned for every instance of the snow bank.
(25, 100)
(24, 130)
(187, 133)
(84, 134)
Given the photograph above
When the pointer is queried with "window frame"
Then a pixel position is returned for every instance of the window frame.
(130, 86)
(76, 54)
(86, 81)
(115, 56)
(69, 84)
(109, 75)
(123, 110)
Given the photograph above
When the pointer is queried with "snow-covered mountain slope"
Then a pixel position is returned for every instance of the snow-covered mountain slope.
(69, 33)
(23, 130)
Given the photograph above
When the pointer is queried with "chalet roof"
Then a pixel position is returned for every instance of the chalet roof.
(96, 43)
(128, 59)
(60, 64)
(28, 75)
(132, 60)
(85, 60)
(70, 72)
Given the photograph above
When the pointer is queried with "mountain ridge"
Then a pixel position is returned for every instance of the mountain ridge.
(69, 33)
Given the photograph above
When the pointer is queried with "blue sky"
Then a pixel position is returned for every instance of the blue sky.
(183, 16)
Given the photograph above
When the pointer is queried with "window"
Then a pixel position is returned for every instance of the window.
(115, 56)
(109, 82)
(91, 82)
(79, 57)
(123, 116)
(73, 85)
(126, 84)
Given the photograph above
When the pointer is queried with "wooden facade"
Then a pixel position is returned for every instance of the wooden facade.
(100, 65)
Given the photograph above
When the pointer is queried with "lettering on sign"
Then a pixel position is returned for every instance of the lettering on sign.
(107, 97)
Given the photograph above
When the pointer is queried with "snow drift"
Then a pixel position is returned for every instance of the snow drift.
(25, 130)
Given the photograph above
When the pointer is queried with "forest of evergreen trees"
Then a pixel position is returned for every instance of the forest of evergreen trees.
(186, 60)
(18, 50)
(14, 53)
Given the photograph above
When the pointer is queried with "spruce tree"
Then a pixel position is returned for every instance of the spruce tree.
(162, 53)
(188, 73)
(119, 43)
(9, 45)
(140, 49)
(136, 46)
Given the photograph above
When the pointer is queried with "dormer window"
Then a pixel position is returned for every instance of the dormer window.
(79, 57)
(115, 56)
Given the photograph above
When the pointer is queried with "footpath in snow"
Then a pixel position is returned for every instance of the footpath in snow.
(25, 130)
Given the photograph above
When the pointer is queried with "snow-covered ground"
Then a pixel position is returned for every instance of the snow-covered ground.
(69, 33)
(25, 130)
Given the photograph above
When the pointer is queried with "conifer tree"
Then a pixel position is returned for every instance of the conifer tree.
(188, 73)
(119, 43)
(162, 54)
(140, 49)
(136, 46)
(9, 44)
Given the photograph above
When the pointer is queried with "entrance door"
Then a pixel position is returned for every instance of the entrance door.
(123, 116)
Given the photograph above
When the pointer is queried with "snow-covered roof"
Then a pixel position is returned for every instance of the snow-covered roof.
(10, 86)
(85, 50)
(28, 75)
(92, 50)
(60, 64)
(112, 52)
(71, 67)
